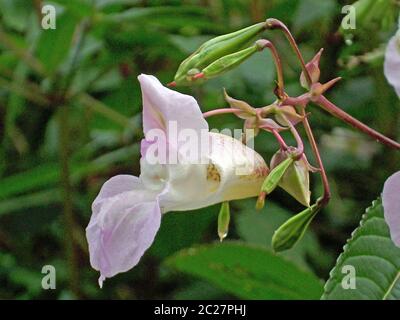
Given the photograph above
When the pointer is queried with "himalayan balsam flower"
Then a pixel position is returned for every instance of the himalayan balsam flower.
(126, 214)
(392, 62)
(391, 206)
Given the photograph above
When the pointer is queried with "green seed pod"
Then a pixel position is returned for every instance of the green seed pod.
(296, 180)
(228, 62)
(275, 176)
(223, 220)
(214, 49)
(289, 233)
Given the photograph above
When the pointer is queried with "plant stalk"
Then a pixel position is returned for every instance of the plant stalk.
(69, 220)
(277, 24)
(280, 91)
(327, 192)
(328, 106)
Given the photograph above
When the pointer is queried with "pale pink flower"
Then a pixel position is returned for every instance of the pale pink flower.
(392, 62)
(126, 214)
(391, 206)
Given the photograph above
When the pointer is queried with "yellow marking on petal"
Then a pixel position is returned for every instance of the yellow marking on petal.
(213, 177)
(213, 173)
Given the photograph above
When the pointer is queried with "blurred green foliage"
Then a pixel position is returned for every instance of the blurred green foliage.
(69, 99)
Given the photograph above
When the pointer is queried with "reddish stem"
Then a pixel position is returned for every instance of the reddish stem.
(299, 141)
(280, 140)
(278, 65)
(171, 84)
(339, 113)
(302, 100)
(327, 192)
(277, 24)
(220, 111)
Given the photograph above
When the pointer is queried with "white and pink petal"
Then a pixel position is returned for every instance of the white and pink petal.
(125, 220)
(392, 62)
(391, 206)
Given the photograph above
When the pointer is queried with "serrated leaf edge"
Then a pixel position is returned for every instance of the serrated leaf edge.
(341, 257)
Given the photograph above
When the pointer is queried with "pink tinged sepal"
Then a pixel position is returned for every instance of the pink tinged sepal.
(288, 113)
(246, 111)
(392, 63)
(124, 222)
(391, 206)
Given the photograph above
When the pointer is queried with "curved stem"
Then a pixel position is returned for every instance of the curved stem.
(280, 93)
(325, 104)
(295, 133)
(220, 111)
(280, 140)
(277, 24)
(299, 141)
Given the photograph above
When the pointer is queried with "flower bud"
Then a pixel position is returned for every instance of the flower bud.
(215, 49)
(313, 69)
(260, 201)
(288, 234)
(223, 220)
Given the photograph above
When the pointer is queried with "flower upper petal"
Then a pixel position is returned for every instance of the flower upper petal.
(392, 63)
(122, 227)
(391, 206)
(161, 105)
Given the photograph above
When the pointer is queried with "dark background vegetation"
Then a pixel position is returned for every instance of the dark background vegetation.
(70, 118)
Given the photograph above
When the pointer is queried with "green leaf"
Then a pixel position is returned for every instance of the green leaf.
(41, 176)
(248, 272)
(53, 46)
(47, 175)
(15, 14)
(133, 14)
(258, 228)
(38, 199)
(173, 236)
(101, 4)
(375, 258)
(312, 12)
(79, 8)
